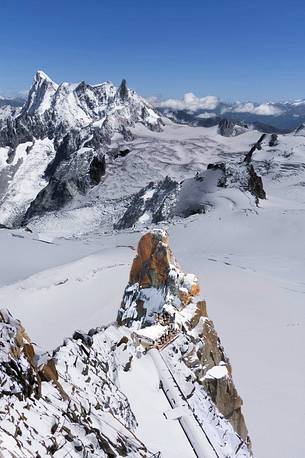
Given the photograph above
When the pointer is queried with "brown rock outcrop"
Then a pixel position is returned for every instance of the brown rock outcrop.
(151, 266)
(154, 271)
(222, 389)
(20, 373)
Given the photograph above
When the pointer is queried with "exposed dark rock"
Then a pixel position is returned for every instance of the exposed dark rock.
(52, 197)
(273, 140)
(154, 203)
(255, 185)
(231, 128)
(4, 226)
(68, 145)
(257, 145)
(84, 337)
(123, 90)
(97, 169)
(167, 199)
(124, 152)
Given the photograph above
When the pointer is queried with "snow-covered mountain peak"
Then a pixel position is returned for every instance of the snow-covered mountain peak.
(70, 105)
(79, 120)
(42, 76)
(40, 95)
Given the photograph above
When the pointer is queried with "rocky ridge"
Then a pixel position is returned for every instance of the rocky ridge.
(72, 401)
(64, 403)
(158, 295)
(168, 199)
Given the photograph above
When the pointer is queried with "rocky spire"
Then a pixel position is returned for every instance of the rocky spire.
(155, 281)
(123, 90)
(159, 288)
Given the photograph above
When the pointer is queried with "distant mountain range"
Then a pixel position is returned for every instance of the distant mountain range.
(202, 111)
(209, 110)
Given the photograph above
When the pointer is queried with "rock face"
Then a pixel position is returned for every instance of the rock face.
(154, 279)
(64, 404)
(158, 288)
(9, 108)
(152, 204)
(19, 374)
(22, 370)
(210, 358)
(167, 199)
(230, 128)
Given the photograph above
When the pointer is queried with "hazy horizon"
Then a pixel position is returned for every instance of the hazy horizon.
(23, 93)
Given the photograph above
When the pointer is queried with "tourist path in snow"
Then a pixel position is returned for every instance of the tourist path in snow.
(197, 437)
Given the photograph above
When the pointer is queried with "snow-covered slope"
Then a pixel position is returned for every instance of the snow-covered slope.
(22, 177)
(180, 153)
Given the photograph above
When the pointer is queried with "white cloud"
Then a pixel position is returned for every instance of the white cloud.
(191, 102)
(268, 109)
(265, 109)
(207, 115)
(247, 107)
(153, 100)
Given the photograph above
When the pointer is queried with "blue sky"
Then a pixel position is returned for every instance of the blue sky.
(231, 48)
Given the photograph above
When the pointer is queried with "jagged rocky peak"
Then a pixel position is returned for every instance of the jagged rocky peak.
(73, 124)
(51, 110)
(40, 95)
(78, 105)
(41, 77)
(159, 304)
(156, 283)
(123, 90)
